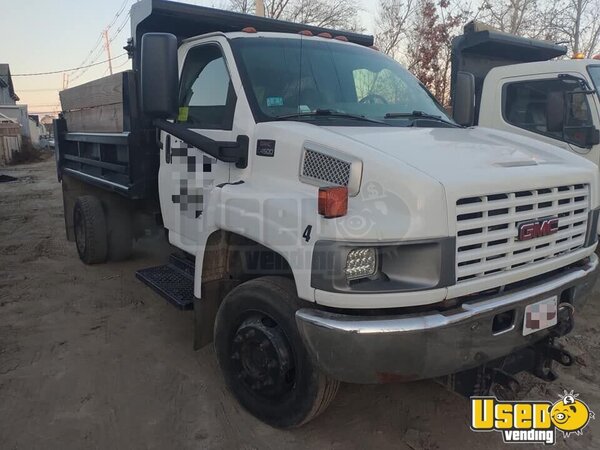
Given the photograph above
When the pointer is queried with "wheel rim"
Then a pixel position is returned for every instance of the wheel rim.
(262, 357)
(79, 231)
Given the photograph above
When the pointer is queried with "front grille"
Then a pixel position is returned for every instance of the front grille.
(487, 243)
(321, 167)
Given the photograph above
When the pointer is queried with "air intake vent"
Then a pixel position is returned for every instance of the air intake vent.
(321, 167)
(324, 166)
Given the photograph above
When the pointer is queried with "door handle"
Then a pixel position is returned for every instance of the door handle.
(168, 149)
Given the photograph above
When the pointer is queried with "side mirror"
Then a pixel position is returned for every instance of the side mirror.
(593, 137)
(463, 110)
(583, 136)
(159, 75)
(555, 112)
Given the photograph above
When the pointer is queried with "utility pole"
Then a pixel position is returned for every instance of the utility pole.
(260, 8)
(107, 47)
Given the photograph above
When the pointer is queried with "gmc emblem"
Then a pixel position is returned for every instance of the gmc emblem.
(537, 228)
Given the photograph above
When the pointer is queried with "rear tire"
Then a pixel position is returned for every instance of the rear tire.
(89, 223)
(263, 359)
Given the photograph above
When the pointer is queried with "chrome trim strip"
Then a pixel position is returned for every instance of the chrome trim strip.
(428, 321)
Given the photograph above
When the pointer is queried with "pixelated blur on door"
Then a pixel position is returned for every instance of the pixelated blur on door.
(187, 175)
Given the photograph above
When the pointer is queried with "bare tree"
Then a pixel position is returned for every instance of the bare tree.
(521, 17)
(580, 26)
(243, 6)
(339, 14)
(393, 24)
(573, 21)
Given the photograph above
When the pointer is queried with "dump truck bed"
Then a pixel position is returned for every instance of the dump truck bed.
(101, 138)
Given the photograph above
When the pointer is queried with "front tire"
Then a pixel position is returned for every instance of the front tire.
(262, 356)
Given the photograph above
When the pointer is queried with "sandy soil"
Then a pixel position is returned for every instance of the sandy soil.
(91, 358)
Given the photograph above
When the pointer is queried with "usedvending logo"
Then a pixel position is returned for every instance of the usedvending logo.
(530, 421)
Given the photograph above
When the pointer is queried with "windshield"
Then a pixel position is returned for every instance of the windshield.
(595, 74)
(285, 77)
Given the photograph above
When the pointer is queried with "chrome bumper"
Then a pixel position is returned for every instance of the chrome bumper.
(361, 349)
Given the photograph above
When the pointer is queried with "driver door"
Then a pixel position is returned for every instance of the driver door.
(187, 176)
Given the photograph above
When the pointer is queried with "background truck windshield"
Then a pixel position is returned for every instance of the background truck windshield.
(595, 74)
(285, 76)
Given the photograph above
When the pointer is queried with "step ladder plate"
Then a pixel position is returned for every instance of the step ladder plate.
(174, 285)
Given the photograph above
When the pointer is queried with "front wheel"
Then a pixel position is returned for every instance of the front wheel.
(262, 356)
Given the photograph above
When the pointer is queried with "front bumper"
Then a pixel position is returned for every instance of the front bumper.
(363, 349)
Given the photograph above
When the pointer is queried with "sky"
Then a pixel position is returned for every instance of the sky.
(46, 36)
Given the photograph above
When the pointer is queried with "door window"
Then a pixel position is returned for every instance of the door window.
(595, 74)
(207, 98)
(526, 106)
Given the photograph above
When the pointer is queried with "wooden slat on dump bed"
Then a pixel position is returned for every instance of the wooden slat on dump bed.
(104, 91)
(100, 106)
(100, 119)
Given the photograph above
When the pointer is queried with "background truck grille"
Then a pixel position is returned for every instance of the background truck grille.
(319, 166)
(487, 241)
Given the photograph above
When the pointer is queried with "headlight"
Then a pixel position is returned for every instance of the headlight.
(361, 263)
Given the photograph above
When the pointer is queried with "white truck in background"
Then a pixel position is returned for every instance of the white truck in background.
(332, 223)
(516, 84)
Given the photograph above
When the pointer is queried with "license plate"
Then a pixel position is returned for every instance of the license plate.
(540, 315)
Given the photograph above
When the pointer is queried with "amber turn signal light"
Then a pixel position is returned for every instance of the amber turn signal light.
(333, 201)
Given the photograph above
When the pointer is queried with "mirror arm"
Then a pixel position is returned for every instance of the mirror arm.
(582, 81)
(227, 151)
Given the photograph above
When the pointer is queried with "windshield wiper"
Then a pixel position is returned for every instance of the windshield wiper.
(419, 115)
(330, 113)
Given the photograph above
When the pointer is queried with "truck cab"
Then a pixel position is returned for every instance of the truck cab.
(519, 86)
(521, 98)
(331, 222)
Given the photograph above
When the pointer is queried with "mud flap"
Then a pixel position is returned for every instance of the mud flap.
(205, 310)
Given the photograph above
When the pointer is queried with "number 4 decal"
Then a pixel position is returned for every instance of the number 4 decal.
(306, 234)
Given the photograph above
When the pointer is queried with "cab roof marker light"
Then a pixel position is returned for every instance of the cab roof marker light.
(578, 55)
(597, 57)
(249, 30)
(325, 35)
(341, 38)
(306, 33)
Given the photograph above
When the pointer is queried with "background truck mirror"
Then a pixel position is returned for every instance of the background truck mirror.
(159, 75)
(593, 137)
(555, 112)
(464, 99)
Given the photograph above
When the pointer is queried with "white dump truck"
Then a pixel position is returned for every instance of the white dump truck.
(330, 221)
(525, 86)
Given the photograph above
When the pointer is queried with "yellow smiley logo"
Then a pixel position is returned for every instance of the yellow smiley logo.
(570, 415)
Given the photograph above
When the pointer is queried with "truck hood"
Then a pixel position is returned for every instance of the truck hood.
(477, 158)
(447, 153)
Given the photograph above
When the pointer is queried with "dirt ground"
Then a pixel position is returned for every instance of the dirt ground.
(91, 358)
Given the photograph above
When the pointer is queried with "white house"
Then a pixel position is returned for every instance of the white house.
(9, 107)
